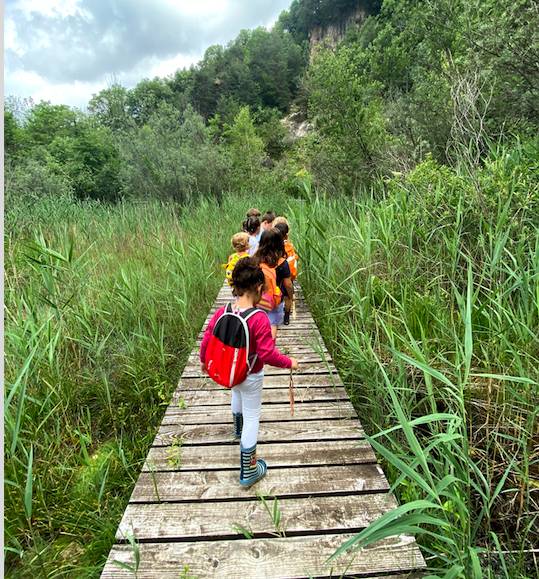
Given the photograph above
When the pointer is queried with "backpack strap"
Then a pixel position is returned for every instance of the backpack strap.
(249, 313)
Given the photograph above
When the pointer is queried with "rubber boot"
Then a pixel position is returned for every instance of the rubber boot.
(251, 469)
(238, 424)
(286, 321)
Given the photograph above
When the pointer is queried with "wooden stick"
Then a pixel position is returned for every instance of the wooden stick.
(291, 393)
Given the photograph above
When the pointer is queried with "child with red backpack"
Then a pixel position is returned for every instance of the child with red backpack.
(236, 345)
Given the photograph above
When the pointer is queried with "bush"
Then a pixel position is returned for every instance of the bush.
(173, 158)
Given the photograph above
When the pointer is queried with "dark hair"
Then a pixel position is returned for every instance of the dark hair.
(253, 212)
(271, 247)
(251, 225)
(247, 276)
(269, 216)
(282, 227)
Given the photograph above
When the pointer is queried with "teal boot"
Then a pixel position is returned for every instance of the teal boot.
(251, 470)
(238, 424)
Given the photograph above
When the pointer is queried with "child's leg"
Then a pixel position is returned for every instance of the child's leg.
(251, 401)
(237, 415)
(251, 468)
(235, 402)
(287, 304)
(276, 318)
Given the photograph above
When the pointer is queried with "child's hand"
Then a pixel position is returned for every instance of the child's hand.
(203, 368)
(295, 364)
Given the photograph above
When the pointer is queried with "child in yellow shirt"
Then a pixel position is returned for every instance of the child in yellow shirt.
(240, 242)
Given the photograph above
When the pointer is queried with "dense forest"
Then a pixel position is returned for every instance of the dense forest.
(414, 200)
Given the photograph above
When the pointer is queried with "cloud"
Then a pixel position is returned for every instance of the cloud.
(85, 42)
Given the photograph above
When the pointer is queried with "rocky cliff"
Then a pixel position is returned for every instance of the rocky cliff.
(331, 34)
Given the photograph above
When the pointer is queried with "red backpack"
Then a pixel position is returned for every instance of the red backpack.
(227, 354)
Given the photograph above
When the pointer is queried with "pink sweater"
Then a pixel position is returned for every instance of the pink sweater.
(261, 342)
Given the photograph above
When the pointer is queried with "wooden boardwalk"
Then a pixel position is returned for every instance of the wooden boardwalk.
(190, 517)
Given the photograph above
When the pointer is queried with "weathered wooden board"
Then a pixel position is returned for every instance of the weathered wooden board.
(270, 382)
(218, 485)
(268, 432)
(194, 371)
(291, 557)
(187, 520)
(276, 454)
(269, 396)
(308, 356)
(202, 415)
(297, 340)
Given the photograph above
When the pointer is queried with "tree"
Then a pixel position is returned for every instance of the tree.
(111, 107)
(144, 100)
(90, 158)
(171, 157)
(13, 135)
(47, 122)
(347, 113)
(246, 149)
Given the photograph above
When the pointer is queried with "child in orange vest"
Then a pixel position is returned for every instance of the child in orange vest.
(270, 257)
(281, 224)
(240, 242)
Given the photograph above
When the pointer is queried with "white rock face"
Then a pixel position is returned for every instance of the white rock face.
(297, 125)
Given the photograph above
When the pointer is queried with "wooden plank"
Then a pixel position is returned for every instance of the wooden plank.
(211, 485)
(305, 321)
(276, 412)
(270, 381)
(216, 397)
(194, 371)
(308, 369)
(295, 329)
(291, 557)
(306, 356)
(288, 340)
(202, 519)
(302, 319)
(276, 454)
(268, 432)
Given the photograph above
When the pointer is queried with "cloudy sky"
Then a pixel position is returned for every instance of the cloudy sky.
(66, 50)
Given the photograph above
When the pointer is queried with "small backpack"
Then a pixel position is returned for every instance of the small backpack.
(271, 297)
(292, 258)
(227, 354)
(232, 261)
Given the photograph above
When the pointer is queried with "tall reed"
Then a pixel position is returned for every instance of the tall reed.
(103, 304)
(429, 300)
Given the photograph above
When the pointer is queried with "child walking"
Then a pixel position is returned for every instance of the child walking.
(252, 227)
(240, 242)
(281, 224)
(271, 258)
(248, 283)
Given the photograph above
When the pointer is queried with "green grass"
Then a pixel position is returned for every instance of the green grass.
(103, 305)
(429, 301)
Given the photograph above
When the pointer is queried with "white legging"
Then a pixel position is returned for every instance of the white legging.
(247, 400)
